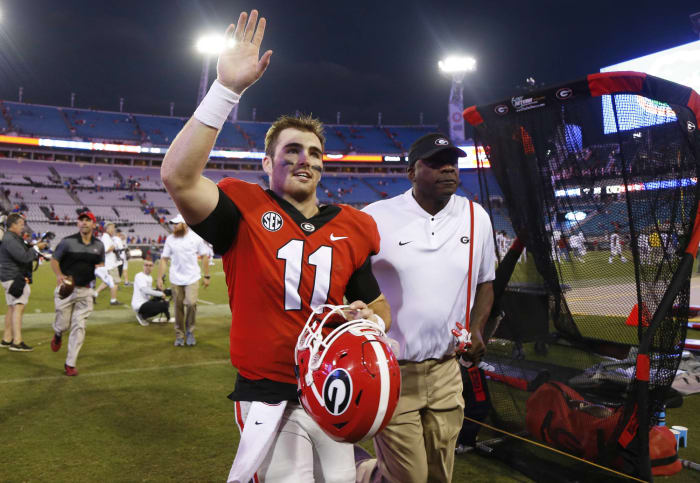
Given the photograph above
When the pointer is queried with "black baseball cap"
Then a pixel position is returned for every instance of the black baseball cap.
(431, 144)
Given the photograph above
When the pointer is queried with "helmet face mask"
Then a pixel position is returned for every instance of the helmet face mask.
(348, 379)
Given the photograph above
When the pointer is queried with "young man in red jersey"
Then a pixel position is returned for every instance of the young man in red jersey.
(283, 254)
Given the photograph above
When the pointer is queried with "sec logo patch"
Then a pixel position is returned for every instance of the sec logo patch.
(272, 221)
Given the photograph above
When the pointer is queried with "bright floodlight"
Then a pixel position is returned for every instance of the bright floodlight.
(212, 44)
(455, 64)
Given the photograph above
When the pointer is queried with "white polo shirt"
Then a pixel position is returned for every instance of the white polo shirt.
(422, 269)
(111, 257)
(183, 252)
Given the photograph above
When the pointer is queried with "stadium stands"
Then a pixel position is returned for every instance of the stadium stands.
(71, 123)
(148, 178)
(103, 125)
(159, 130)
(342, 189)
(256, 131)
(110, 193)
(51, 192)
(388, 186)
(230, 137)
(32, 119)
(367, 139)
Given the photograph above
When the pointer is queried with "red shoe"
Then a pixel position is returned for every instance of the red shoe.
(56, 342)
(70, 371)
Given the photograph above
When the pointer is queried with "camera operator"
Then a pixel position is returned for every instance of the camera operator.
(16, 258)
(143, 289)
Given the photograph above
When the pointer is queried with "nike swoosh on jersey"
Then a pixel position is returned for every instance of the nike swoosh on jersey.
(336, 238)
(405, 243)
(257, 423)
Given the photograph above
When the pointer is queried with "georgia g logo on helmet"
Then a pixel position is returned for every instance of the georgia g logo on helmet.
(337, 390)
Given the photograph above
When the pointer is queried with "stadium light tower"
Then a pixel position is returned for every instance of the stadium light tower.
(457, 67)
(210, 46)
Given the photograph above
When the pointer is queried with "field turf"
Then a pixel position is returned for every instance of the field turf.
(143, 410)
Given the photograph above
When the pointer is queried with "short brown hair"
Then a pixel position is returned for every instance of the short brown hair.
(302, 123)
(13, 218)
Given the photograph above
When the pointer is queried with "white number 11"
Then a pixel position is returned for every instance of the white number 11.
(292, 253)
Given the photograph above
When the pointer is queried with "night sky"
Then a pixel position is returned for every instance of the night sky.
(357, 57)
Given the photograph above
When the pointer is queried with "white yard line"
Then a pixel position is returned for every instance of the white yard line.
(120, 371)
(205, 302)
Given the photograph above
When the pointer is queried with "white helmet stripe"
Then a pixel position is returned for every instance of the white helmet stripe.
(317, 394)
(383, 365)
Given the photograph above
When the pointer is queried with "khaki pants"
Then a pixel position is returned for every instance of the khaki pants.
(115, 273)
(418, 445)
(71, 313)
(185, 302)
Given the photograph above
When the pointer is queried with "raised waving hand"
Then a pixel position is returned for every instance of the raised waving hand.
(239, 64)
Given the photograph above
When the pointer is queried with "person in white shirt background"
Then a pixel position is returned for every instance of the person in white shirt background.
(616, 247)
(182, 249)
(578, 244)
(145, 301)
(436, 265)
(112, 263)
(122, 249)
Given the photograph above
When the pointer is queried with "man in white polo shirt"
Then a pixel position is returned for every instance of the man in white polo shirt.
(182, 248)
(428, 237)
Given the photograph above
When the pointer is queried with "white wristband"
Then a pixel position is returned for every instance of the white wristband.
(380, 322)
(216, 105)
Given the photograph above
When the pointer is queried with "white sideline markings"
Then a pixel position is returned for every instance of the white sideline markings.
(205, 302)
(121, 371)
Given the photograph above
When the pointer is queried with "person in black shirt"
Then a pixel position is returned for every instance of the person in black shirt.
(16, 259)
(76, 256)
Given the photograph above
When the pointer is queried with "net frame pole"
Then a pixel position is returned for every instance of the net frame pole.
(643, 427)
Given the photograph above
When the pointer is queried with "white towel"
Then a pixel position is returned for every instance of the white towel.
(258, 433)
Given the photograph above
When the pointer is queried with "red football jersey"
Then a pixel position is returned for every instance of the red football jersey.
(279, 266)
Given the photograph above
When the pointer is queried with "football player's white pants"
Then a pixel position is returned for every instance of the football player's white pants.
(300, 452)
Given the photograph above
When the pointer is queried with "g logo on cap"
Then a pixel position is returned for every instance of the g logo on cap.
(441, 142)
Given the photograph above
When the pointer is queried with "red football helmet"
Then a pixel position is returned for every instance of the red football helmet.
(349, 380)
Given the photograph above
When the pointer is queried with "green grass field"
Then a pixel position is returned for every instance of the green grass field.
(143, 410)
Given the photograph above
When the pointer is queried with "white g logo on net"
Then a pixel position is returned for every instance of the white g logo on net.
(272, 221)
(337, 391)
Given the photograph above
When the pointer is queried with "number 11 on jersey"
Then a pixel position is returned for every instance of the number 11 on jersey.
(293, 255)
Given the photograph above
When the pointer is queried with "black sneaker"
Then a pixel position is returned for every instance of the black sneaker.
(5, 345)
(115, 302)
(21, 347)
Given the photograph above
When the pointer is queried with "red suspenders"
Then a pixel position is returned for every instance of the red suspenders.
(471, 254)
